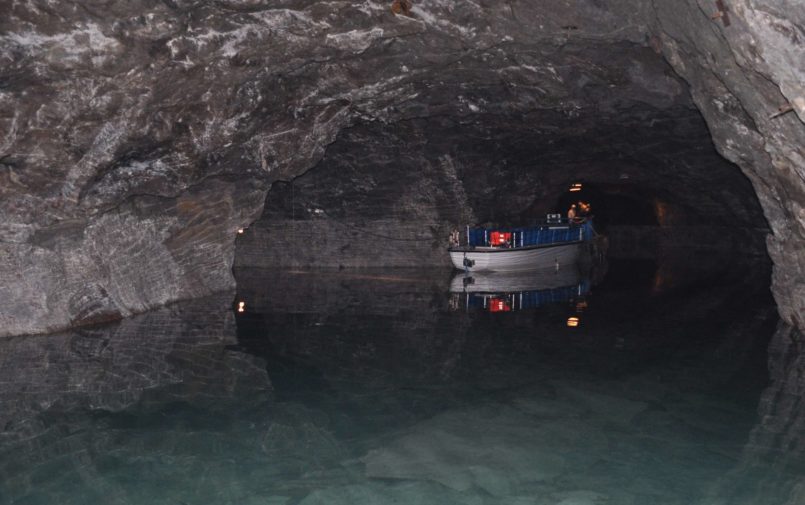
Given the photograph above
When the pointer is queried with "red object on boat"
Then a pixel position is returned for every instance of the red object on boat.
(499, 305)
(500, 238)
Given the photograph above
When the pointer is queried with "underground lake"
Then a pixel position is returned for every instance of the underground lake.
(429, 252)
(358, 386)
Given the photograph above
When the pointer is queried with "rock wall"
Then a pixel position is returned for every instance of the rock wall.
(137, 137)
(746, 74)
(149, 251)
(682, 242)
(388, 196)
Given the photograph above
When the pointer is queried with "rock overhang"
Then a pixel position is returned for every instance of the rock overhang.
(127, 110)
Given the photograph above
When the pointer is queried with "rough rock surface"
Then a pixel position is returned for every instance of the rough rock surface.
(389, 196)
(137, 137)
(741, 77)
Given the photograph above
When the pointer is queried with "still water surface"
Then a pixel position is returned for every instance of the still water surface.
(359, 387)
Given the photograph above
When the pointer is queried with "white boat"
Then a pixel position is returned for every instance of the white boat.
(515, 291)
(492, 259)
(510, 282)
(553, 244)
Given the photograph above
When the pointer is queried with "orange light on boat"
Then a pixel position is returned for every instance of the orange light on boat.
(572, 322)
(576, 186)
(499, 305)
(241, 307)
(500, 238)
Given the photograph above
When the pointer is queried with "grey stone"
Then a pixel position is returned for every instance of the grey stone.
(136, 138)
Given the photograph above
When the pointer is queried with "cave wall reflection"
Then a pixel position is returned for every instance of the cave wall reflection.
(363, 386)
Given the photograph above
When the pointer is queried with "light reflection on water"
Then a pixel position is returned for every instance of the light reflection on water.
(370, 387)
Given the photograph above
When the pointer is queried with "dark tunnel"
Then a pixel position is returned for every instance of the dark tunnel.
(388, 195)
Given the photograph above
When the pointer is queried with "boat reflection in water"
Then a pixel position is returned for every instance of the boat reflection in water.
(516, 291)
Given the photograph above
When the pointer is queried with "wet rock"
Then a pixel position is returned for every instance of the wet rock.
(480, 454)
(154, 363)
(110, 368)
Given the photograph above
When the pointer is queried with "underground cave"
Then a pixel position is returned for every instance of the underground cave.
(224, 268)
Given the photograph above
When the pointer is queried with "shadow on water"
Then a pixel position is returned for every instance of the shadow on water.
(404, 386)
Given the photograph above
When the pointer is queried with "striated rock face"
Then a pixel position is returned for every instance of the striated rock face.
(388, 196)
(137, 137)
(741, 77)
(148, 251)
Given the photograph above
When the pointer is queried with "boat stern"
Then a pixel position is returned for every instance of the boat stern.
(460, 260)
(469, 261)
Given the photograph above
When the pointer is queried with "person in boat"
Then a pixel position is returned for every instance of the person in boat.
(582, 212)
(454, 237)
(571, 213)
(583, 209)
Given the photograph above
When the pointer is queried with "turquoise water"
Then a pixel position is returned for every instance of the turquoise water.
(375, 388)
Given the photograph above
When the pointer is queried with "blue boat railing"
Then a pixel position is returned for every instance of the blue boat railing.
(534, 298)
(549, 233)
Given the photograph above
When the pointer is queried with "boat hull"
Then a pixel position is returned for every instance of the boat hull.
(492, 259)
(513, 282)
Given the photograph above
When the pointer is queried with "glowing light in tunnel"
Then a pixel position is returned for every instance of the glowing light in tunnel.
(572, 322)
(240, 231)
(241, 307)
(661, 210)
(576, 186)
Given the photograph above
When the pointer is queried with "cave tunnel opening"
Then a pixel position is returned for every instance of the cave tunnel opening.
(474, 144)
(623, 205)
(679, 219)
(388, 195)
(685, 231)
